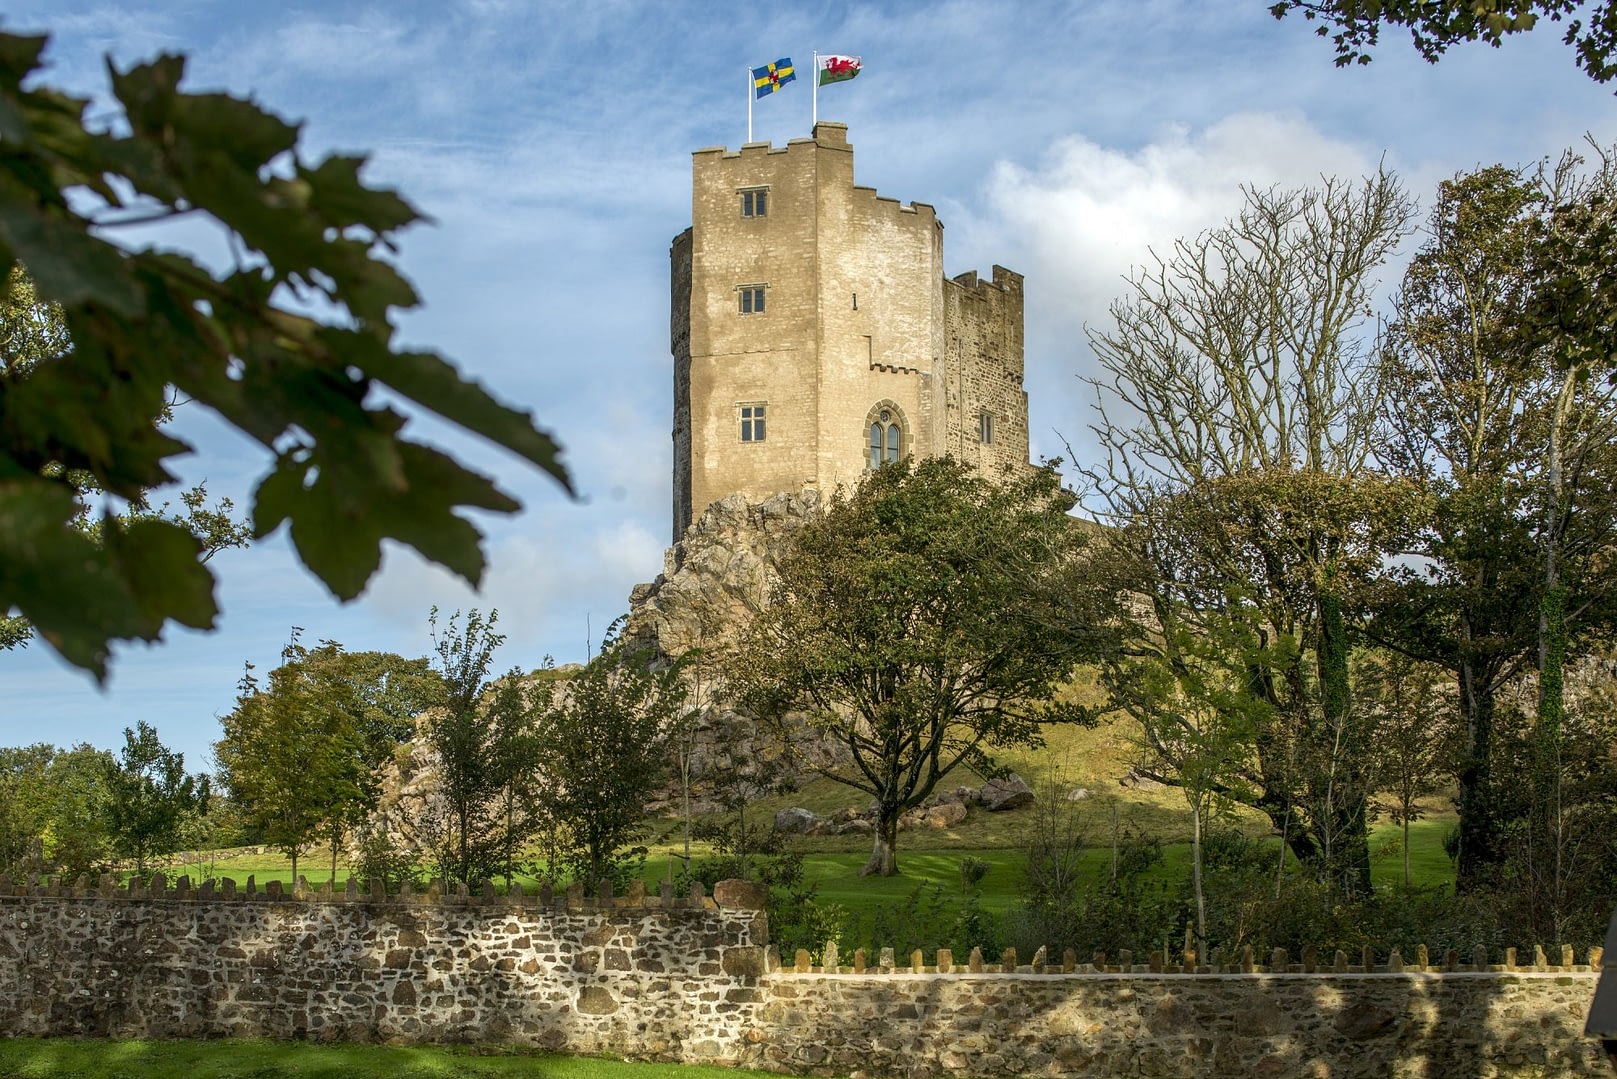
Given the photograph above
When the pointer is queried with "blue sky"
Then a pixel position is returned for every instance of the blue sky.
(550, 143)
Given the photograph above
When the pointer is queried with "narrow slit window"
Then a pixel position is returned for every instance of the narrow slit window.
(985, 427)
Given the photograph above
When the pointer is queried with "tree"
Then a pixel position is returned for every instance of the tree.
(1354, 26)
(145, 324)
(1197, 719)
(33, 331)
(1235, 414)
(1493, 407)
(150, 797)
(483, 738)
(926, 619)
(603, 749)
(1415, 734)
(300, 754)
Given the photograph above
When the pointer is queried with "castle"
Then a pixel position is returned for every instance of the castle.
(815, 335)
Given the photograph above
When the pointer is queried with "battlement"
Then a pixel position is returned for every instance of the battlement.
(1008, 282)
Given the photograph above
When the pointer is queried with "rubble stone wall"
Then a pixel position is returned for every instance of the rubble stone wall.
(691, 979)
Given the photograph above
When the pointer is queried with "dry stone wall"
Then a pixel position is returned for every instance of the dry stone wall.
(645, 976)
(691, 979)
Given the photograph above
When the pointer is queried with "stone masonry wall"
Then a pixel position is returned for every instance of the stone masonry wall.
(644, 976)
(690, 979)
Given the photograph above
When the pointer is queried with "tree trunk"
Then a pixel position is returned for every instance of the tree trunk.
(1196, 872)
(884, 853)
(1479, 826)
(1346, 795)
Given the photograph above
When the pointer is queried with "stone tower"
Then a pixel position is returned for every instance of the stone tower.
(815, 335)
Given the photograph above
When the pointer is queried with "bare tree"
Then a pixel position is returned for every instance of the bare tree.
(1235, 415)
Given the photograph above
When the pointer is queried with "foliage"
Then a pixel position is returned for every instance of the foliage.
(299, 755)
(923, 621)
(1415, 735)
(1496, 408)
(603, 749)
(486, 745)
(146, 324)
(1354, 26)
(972, 872)
(150, 797)
(1235, 412)
(33, 331)
(1068, 901)
(926, 919)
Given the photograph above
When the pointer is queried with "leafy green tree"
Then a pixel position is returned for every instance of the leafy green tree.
(1198, 719)
(299, 756)
(603, 748)
(1354, 26)
(483, 740)
(1235, 411)
(1415, 734)
(145, 324)
(77, 840)
(150, 797)
(1495, 407)
(925, 620)
(24, 806)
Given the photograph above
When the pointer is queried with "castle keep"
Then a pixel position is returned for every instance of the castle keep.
(815, 335)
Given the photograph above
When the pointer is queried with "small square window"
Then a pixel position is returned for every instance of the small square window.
(752, 423)
(755, 203)
(985, 427)
(752, 299)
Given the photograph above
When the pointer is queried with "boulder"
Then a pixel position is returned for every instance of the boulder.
(1008, 792)
(857, 826)
(946, 815)
(797, 821)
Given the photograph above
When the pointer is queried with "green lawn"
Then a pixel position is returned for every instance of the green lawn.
(61, 1058)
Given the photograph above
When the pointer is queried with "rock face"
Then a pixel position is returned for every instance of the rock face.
(714, 579)
(713, 583)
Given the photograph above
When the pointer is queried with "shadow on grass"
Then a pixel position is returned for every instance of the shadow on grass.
(71, 1058)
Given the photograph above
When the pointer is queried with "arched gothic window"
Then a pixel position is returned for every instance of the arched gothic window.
(886, 436)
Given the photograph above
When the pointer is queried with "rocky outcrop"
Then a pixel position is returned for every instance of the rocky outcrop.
(717, 576)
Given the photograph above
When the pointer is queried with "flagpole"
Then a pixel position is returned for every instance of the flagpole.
(749, 104)
(814, 73)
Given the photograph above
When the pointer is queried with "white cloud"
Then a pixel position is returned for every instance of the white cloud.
(1089, 213)
(1077, 222)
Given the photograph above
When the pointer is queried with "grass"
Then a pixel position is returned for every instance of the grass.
(61, 1058)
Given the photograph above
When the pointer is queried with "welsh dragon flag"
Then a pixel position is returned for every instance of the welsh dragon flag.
(838, 69)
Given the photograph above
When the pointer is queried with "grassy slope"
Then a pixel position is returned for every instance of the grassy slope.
(1092, 760)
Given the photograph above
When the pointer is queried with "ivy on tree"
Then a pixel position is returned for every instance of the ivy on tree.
(145, 324)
